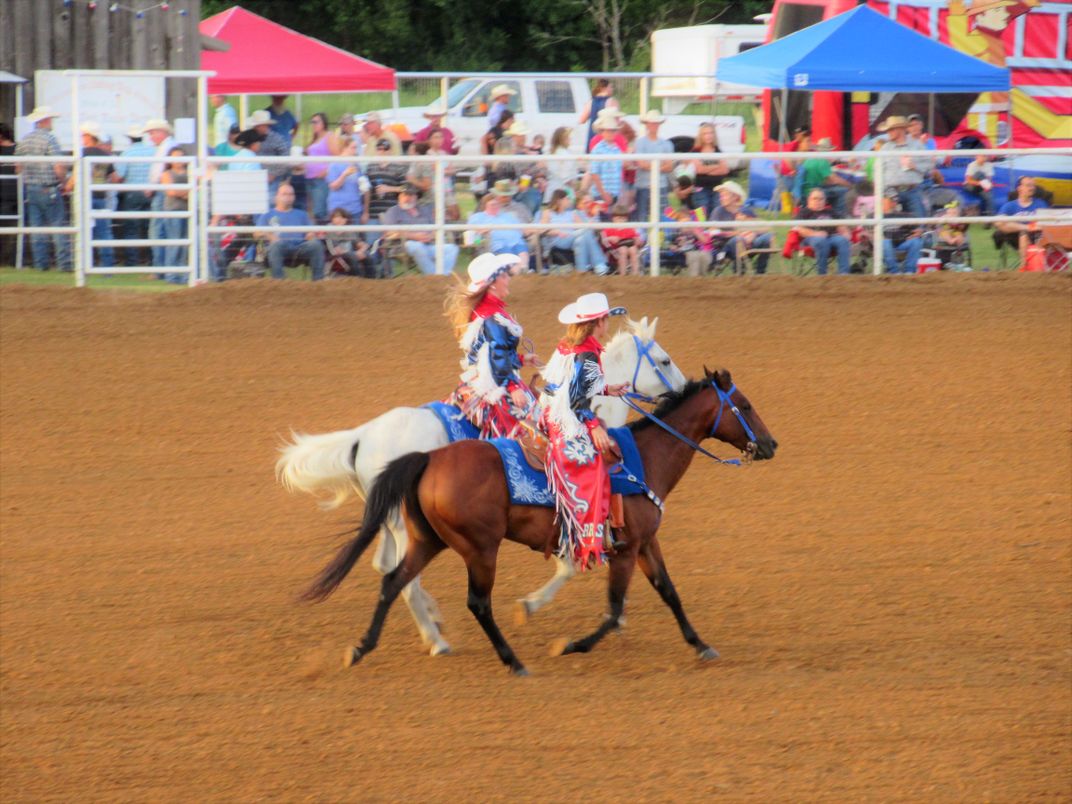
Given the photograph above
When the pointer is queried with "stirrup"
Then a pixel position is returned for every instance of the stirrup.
(611, 544)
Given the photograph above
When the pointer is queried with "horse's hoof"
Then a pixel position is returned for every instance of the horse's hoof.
(440, 650)
(351, 657)
(520, 671)
(522, 612)
(560, 647)
(708, 654)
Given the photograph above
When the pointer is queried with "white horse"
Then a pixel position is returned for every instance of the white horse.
(346, 463)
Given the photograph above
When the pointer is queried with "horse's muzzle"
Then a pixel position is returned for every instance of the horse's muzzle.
(763, 449)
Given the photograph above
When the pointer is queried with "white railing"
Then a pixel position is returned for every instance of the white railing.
(200, 178)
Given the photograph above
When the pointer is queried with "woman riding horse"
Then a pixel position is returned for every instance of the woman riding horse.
(577, 438)
(489, 336)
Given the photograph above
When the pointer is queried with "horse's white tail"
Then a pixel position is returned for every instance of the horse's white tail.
(319, 464)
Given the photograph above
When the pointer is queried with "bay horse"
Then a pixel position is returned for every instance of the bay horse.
(457, 497)
(346, 463)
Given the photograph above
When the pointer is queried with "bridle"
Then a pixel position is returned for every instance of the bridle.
(724, 401)
(644, 353)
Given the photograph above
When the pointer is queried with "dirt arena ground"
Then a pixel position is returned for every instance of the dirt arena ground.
(892, 595)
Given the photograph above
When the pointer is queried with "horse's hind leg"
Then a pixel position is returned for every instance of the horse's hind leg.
(481, 579)
(621, 572)
(417, 557)
(653, 566)
(530, 604)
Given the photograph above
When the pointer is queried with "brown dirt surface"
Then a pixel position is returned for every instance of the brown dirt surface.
(891, 595)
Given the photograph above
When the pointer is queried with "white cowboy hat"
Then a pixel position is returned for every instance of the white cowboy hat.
(501, 89)
(372, 117)
(486, 268)
(259, 118)
(135, 133)
(517, 129)
(92, 129)
(608, 118)
(40, 113)
(732, 187)
(588, 307)
(156, 125)
(652, 116)
(435, 110)
(824, 144)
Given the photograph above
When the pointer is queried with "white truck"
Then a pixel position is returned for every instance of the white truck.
(544, 104)
(678, 52)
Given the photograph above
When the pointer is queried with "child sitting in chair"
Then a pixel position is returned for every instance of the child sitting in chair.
(951, 243)
(623, 242)
(347, 256)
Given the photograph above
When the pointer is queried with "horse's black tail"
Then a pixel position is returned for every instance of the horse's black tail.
(396, 483)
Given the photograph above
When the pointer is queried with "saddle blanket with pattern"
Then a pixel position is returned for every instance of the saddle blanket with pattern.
(529, 486)
(458, 427)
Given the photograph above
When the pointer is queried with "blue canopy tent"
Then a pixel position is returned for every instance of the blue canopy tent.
(861, 51)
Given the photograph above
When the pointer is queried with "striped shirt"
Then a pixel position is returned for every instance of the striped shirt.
(39, 142)
(610, 173)
(136, 172)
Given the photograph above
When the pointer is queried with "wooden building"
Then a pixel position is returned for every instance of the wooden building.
(58, 35)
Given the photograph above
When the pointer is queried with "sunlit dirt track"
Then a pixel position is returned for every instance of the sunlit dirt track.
(891, 596)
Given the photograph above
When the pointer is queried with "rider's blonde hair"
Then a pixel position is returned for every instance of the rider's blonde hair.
(576, 334)
(460, 303)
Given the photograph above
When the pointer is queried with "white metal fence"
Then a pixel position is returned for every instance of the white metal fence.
(200, 231)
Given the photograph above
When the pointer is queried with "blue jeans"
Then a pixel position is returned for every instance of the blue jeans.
(822, 246)
(102, 230)
(310, 252)
(316, 190)
(643, 200)
(704, 198)
(911, 249)
(531, 198)
(911, 198)
(175, 229)
(762, 240)
(587, 255)
(44, 207)
(134, 228)
(158, 231)
(424, 255)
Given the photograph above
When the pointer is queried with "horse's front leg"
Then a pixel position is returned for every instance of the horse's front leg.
(530, 604)
(652, 565)
(621, 572)
(422, 606)
(481, 568)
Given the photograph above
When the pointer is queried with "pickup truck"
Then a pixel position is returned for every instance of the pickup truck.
(544, 104)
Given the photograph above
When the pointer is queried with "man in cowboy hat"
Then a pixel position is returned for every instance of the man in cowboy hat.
(135, 200)
(158, 131)
(44, 184)
(604, 177)
(274, 144)
(373, 133)
(434, 114)
(905, 174)
(420, 245)
(819, 172)
(500, 102)
(92, 134)
(501, 241)
(652, 143)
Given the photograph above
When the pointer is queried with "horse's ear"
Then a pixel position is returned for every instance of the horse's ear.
(708, 374)
(643, 323)
(724, 380)
(654, 322)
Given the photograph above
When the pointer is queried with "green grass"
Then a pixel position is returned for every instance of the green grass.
(138, 282)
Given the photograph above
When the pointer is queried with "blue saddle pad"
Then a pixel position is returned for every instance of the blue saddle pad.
(529, 487)
(454, 422)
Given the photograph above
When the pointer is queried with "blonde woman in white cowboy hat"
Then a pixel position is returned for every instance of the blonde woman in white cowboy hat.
(492, 394)
(577, 438)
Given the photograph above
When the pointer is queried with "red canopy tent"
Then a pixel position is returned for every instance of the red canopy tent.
(266, 58)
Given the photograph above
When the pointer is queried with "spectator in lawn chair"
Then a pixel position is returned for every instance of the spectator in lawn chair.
(420, 244)
(650, 144)
(604, 178)
(1014, 233)
(284, 123)
(374, 133)
(731, 197)
(905, 174)
(587, 255)
(294, 247)
(823, 239)
(274, 144)
(501, 241)
(979, 181)
(819, 172)
(907, 239)
(434, 115)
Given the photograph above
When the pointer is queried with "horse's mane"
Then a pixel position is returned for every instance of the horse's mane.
(669, 402)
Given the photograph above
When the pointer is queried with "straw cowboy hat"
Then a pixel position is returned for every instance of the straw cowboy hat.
(505, 188)
(608, 118)
(259, 118)
(93, 129)
(486, 268)
(652, 116)
(517, 129)
(732, 187)
(39, 114)
(893, 121)
(156, 124)
(501, 89)
(588, 307)
(824, 144)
